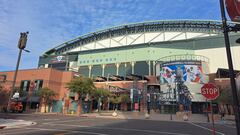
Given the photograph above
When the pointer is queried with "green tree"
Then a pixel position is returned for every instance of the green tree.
(125, 99)
(101, 94)
(4, 95)
(225, 97)
(83, 87)
(47, 95)
(115, 100)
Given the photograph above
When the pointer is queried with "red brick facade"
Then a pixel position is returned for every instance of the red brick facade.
(53, 79)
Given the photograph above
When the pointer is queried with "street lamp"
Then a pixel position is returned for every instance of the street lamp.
(21, 45)
(236, 106)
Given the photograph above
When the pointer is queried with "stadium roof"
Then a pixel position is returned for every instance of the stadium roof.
(196, 26)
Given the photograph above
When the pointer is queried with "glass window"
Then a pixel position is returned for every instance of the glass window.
(38, 84)
(25, 85)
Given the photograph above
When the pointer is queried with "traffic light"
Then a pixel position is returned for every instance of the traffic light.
(22, 40)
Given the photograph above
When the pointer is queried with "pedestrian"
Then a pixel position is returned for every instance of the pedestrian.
(222, 114)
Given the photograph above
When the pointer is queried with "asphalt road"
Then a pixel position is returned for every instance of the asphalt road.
(72, 125)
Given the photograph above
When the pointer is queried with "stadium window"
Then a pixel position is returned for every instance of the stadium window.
(80, 62)
(84, 61)
(110, 59)
(87, 61)
(93, 60)
(97, 60)
(115, 59)
(100, 60)
(106, 59)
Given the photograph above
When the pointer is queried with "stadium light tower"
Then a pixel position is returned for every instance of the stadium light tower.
(21, 45)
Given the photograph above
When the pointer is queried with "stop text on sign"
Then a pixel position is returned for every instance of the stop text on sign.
(209, 90)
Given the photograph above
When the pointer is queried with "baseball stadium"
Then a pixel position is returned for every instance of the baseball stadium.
(174, 51)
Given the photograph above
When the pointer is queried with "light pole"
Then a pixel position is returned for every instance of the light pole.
(236, 106)
(21, 45)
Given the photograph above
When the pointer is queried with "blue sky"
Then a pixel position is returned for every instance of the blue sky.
(51, 22)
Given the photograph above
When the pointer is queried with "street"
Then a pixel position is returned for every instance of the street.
(50, 124)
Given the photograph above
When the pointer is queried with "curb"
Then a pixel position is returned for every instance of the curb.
(17, 124)
(2, 127)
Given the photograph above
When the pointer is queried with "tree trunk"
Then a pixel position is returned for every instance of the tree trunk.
(45, 107)
(99, 104)
(79, 109)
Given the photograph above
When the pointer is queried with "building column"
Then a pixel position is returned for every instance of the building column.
(125, 71)
(103, 69)
(133, 64)
(117, 65)
(154, 68)
(149, 67)
(90, 71)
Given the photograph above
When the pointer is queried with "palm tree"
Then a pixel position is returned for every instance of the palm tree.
(83, 87)
(47, 96)
(100, 94)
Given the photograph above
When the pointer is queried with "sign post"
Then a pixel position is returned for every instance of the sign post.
(210, 92)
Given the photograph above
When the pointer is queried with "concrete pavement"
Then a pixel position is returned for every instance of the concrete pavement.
(195, 118)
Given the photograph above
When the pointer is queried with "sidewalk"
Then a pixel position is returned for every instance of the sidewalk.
(11, 123)
(196, 118)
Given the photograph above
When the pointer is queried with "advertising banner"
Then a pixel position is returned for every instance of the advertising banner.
(190, 72)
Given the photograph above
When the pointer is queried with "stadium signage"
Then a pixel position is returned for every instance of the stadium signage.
(181, 62)
(58, 59)
(233, 9)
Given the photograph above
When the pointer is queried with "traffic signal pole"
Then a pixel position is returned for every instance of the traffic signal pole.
(21, 45)
(14, 79)
(236, 106)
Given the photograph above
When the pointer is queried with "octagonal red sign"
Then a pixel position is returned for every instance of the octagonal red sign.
(233, 9)
(210, 91)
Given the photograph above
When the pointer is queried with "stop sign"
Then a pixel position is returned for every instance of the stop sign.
(210, 91)
(233, 9)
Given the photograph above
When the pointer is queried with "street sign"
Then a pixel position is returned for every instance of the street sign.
(210, 91)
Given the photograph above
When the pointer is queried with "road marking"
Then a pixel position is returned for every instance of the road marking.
(71, 120)
(229, 126)
(64, 130)
(69, 125)
(205, 128)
